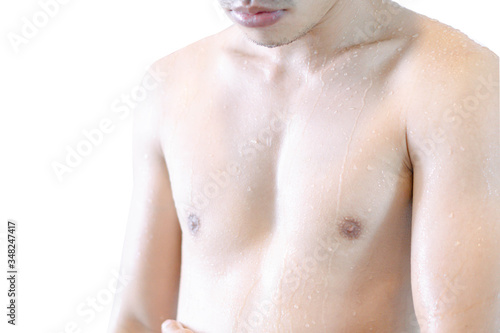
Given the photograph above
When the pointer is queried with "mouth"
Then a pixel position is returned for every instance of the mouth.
(256, 17)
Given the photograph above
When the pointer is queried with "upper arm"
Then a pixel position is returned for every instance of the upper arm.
(455, 257)
(152, 249)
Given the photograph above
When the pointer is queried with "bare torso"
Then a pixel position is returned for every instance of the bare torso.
(293, 192)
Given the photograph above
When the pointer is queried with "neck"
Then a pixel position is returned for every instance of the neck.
(348, 24)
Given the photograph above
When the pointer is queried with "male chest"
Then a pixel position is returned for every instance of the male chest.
(242, 170)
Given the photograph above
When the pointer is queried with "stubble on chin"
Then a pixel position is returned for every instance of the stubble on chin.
(282, 42)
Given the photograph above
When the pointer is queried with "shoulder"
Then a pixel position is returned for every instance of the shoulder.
(174, 77)
(172, 81)
(445, 60)
(191, 63)
(451, 91)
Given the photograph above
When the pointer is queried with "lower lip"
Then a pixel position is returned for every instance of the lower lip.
(259, 20)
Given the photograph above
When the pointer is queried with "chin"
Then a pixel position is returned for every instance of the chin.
(271, 43)
(277, 42)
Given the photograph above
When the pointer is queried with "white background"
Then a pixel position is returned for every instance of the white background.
(65, 80)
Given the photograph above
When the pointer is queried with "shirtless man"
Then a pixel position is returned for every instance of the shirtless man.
(320, 166)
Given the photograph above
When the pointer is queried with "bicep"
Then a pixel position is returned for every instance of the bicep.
(152, 249)
(455, 251)
(456, 222)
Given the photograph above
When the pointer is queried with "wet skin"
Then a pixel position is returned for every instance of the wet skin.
(301, 187)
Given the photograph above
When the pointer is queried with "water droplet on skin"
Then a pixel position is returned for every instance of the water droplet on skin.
(295, 306)
(457, 243)
(369, 168)
(462, 148)
(451, 215)
(249, 189)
